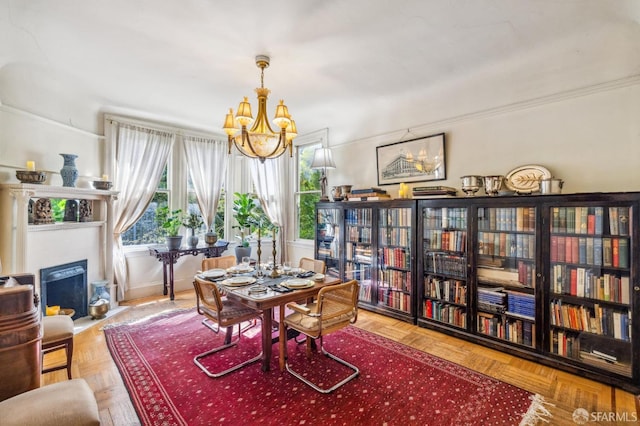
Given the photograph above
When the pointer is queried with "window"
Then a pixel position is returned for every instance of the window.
(145, 230)
(193, 207)
(307, 191)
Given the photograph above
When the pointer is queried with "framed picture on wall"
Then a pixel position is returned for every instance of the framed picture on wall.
(415, 160)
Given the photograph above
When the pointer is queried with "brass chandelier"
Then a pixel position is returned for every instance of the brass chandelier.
(260, 141)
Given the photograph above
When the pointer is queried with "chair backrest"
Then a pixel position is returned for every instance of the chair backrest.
(222, 262)
(314, 265)
(338, 305)
(207, 295)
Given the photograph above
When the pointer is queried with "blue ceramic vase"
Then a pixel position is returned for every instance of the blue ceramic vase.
(69, 172)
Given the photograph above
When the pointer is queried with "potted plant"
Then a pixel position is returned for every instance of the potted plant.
(170, 222)
(244, 207)
(193, 221)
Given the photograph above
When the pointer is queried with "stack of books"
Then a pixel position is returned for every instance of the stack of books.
(433, 191)
(368, 194)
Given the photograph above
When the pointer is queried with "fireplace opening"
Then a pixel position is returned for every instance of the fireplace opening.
(65, 286)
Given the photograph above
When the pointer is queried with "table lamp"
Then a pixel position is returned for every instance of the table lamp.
(322, 160)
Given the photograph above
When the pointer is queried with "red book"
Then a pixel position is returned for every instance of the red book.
(591, 224)
(427, 309)
(574, 282)
(561, 248)
(568, 250)
(615, 249)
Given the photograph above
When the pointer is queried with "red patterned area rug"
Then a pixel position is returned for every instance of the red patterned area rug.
(397, 385)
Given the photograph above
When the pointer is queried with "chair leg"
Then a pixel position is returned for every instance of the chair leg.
(69, 350)
(67, 345)
(197, 358)
(299, 376)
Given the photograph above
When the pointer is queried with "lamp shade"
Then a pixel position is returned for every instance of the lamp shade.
(322, 159)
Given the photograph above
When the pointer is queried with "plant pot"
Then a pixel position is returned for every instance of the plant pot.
(210, 238)
(174, 243)
(242, 251)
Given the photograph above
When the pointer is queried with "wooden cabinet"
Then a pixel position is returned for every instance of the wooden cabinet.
(550, 278)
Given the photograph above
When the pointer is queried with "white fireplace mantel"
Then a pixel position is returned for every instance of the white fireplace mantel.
(27, 247)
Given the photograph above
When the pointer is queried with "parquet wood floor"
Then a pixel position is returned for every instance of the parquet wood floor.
(565, 391)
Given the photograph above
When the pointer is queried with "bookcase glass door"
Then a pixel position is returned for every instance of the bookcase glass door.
(506, 274)
(358, 250)
(444, 248)
(328, 246)
(393, 277)
(590, 286)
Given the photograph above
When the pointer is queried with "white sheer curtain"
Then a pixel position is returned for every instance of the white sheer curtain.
(141, 155)
(270, 181)
(207, 160)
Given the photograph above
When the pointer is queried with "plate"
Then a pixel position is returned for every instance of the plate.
(238, 281)
(239, 269)
(298, 283)
(214, 273)
(318, 277)
(526, 179)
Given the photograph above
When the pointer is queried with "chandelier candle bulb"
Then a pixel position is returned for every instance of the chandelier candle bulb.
(105, 177)
(31, 166)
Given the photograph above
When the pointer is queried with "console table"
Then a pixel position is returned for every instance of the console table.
(169, 257)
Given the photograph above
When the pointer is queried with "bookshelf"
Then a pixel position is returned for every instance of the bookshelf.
(328, 238)
(549, 278)
(443, 282)
(590, 295)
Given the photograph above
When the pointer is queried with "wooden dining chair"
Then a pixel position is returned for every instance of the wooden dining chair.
(222, 262)
(314, 265)
(225, 313)
(335, 307)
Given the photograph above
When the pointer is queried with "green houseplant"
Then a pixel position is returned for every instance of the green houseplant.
(193, 221)
(170, 222)
(244, 206)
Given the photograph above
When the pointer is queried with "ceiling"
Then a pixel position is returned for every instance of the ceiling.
(359, 68)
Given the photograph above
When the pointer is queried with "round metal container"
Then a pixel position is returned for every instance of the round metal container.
(471, 184)
(551, 186)
(493, 184)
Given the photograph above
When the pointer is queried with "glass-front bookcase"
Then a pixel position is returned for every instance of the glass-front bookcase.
(358, 250)
(506, 273)
(590, 288)
(394, 263)
(444, 254)
(328, 234)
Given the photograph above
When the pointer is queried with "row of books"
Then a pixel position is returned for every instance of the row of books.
(444, 312)
(512, 330)
(437, 239)
(394, 299)
(396, 257)
(358, 234)
(358, 253)
(399, 280)
(360, 217)
(597, 320)
(583, 282)
(395, 217)
(448, 290)
(507, 244)
(577, 220)
(446, 264)
(568, 344)
(607, 252)
(368, 194)
(445, 217)
(365, 292)
(424, 191)
(395, 236)
(520, 219)
(357, 271)
(619, 220)
(521, 304)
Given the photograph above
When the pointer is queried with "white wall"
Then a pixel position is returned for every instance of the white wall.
(589, 138)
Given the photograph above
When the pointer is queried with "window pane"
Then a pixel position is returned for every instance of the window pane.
(146, 230)
(163, 179)
(308, 179)
(306, 216)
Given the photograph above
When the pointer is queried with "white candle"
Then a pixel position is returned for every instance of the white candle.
(105, 177)
(31, 166)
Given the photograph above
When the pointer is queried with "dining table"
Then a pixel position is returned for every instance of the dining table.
(266, 301)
